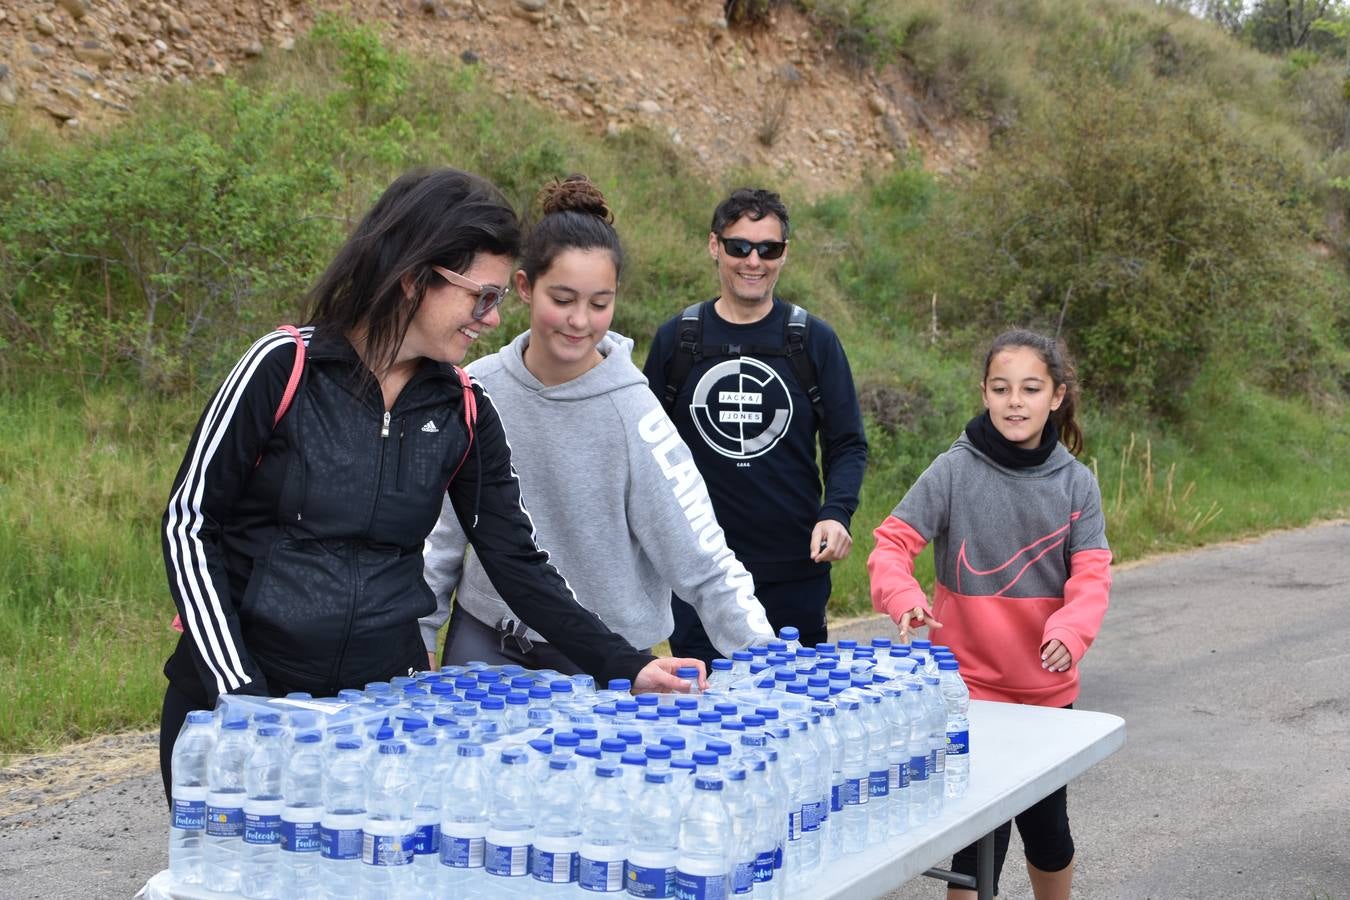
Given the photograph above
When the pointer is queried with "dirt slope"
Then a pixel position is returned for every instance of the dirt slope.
(774, 97)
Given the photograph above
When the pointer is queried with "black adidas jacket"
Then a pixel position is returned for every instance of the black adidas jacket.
(294, 553)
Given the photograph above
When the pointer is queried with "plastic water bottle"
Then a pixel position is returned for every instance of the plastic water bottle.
(464, 823)
(428, 771)
(856, 775)
(510, 825)
(260, 866)
(897, 755)
(790, 636)
(766, 819)
(956, 697)
(604, 832)
(721, 677)
(344, 815)
(741, 861)
(557, 833)
(937, 742)
(878, 766)
(815, 794)
(225, 806)
(187, 823)
(705, 832)
(829, 732)
(919, 748)
(689, 675)
(655, 846)
(302, 788)
(387, 838)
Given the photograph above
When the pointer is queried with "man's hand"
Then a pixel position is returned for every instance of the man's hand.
(830, 541)
(658, 676)
(912, 620)
(1055, 657)
(432, 665)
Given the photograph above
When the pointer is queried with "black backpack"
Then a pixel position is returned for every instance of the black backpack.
(691, 350)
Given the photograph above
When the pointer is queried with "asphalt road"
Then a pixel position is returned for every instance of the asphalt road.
(1230, 666)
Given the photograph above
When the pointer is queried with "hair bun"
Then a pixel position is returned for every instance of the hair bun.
(575, 193)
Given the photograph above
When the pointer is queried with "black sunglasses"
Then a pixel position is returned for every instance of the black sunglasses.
(740, 248)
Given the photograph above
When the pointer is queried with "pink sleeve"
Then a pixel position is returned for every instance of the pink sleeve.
(891, 569)
(1086, 595)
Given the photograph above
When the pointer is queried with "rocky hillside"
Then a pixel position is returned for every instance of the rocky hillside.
(774, 97)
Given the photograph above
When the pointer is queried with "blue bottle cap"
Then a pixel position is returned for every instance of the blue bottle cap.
(377, 687)
(350, 695)
(777, 646)
(613, 745)
(586, 732)
(668, 712)
(349, 745)
(753, 720)
(742, 656)
(768, 712)
(721, 748)
(393, 748)
(737, 774)
(657, 751)
(721, 665)
(201, 717)
(647, 714)
(561, 765)
(633, 759)
(424, 739)
(514, 757)
(759, 651)
(796, 688)
(946, 664)
(683, 764)
(269, 731)
(921, 645)
(511, 670)
(487, 676)
(881, 642)
(499, 690)
(622, 685)
(710, 717)
(708, 783)
(657, 778)
(675, 742)
(540, 692)
(475, 695)
(470, 750)
(690, 721)
(825, 648)
(493, 703)
(629, 736)
(686, 672)
(442, 688)
(518, 698)
(522, 682)
(541, 745)
(847, 644)
(567, 739)
(560, 686)
(626, 706)
(587, 752)
(704, 757)
(647, 700)
(683, 703)
(384, 733)
(788, 633)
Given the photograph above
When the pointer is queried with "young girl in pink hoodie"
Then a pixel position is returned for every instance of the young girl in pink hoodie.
(1022, 563)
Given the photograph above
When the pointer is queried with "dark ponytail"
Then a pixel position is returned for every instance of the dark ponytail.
(1062, 371)
(573, 216)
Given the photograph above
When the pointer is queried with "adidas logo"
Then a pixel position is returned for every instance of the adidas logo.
(430, 427)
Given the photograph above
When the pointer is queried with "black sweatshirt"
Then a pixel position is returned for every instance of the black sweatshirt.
(753, 434)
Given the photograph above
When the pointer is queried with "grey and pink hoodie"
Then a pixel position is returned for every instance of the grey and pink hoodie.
(1021, 559)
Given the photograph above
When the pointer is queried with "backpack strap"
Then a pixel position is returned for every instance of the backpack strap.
(687, 352)
(794, 345)
(470, 416)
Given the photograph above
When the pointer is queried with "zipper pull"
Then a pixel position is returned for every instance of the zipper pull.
(384, 429)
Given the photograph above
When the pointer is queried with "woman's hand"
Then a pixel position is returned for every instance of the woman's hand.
(912, 620)
(1055, 657)
(432, 665)
(658, 676)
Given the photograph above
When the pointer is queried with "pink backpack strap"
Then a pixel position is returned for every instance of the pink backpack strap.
(470, 416)
(292, 384)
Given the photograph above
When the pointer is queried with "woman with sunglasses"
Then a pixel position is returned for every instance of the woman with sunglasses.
(293, 544)
(611, 487)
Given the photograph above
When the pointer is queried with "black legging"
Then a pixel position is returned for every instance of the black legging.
(176, 707)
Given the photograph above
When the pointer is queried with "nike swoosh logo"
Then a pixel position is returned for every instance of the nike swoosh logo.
(1032, 553)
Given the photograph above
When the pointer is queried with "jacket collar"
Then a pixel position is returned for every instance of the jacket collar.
(331, 345)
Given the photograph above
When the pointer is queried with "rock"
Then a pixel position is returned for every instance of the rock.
(126, 36)
(895, 132)
(532, 6)
(612, 129)
(877, 104)
(94, 53)
(43, 25)
(252, 49)
(215, 67)
(72, 94)
(831, 134)
(54, 107)
(469, 58)
(72, 124)
(153, 25)
(76, 8)
(434, 9)
(530, 16)
(83, 74)
(161, 46)
(178, 25)
(649, 107)
(4, 71)
(41, 51)
(7, 95)
(287, 44)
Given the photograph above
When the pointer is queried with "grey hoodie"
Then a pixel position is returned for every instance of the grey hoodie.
(616, 501)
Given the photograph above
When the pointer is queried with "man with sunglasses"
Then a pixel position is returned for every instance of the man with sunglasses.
(753, 382)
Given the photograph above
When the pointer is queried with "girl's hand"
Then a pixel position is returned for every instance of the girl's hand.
(914, 619)
(432, 665)
(658, 676)
(1055, 657)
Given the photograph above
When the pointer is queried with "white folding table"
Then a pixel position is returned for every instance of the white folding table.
(1018, 754)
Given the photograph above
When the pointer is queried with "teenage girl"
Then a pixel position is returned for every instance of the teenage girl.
(1023, 568)
(612, 490)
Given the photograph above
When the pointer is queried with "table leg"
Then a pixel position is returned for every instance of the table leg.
(984, 867)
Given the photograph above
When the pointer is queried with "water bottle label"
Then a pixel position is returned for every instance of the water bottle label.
(189, 814)
(262, 828)
(764, 867)
(743, 877)
(427, 840)
(340, 843)
(795, 825)
(224, 821)
(899, 776)
(935, 760)
(812, 815)
(879, 784)
(855, 791)
(778, 856)
(300, 837)
(462, 852)
(506, 860)
(600, 875)
(836, 797)
(700, 887)
(554, 867)
(918, 768)
(650, 881)
(958, 743)
(386, 849)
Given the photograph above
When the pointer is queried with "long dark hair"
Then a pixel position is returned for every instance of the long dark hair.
(1062, 371)
(426, 217)
(573, 216)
